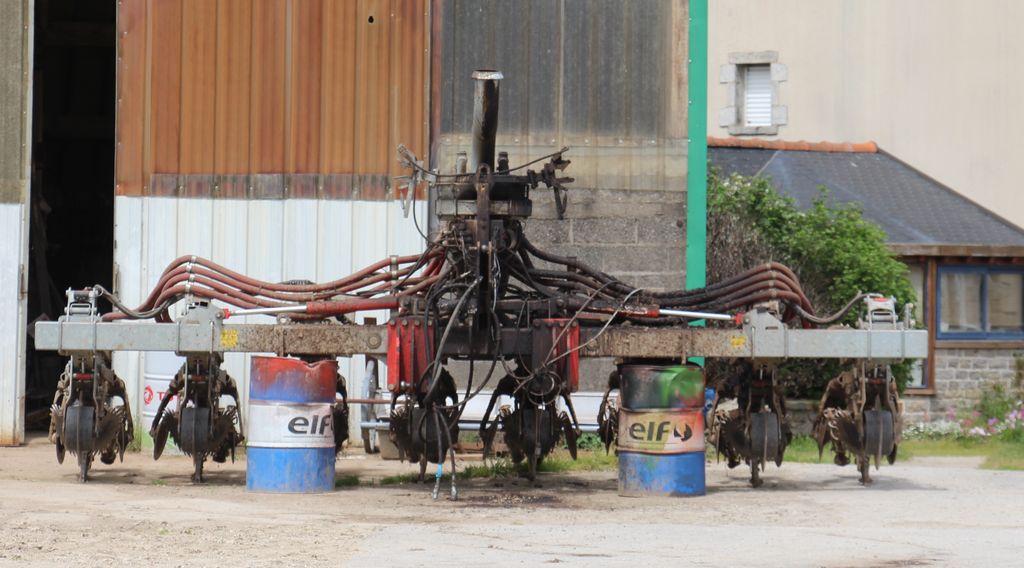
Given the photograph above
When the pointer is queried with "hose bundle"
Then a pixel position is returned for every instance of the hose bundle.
(516, 283)
(202, 278)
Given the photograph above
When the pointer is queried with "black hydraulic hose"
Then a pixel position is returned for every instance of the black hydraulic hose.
(826, 320)
(577, 264)
(130, 313)
(571, 286)
(451, 450)
(522, 274)
(747, 292)
(440, 453)
(711, 288)
(576, 278)
(698, 297)
(462, 406)
(444, 339)
(770, 279)
(756, 298)
(527, 261)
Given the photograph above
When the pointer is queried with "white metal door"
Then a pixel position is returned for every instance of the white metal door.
(15, 146)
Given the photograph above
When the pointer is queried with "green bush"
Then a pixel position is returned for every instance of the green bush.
(834, 251)
(1012, 435)
(587, 442)
(995, 402)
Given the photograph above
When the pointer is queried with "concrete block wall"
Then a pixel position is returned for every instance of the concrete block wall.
(637, 236)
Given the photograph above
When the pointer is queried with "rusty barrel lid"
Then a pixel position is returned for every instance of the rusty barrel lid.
(292, 380)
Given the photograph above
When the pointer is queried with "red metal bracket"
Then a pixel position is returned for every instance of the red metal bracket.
(564, 358)
(410, 352)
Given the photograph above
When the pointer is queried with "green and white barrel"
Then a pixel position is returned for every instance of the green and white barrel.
(661, 430)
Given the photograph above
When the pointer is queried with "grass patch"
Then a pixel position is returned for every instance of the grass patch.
(136, 444)
(804, 449)
(947, 447)
(398, 479)
(346, 481)
(1009, 457)
(499, 468)
(596, 460)
(558, 461)
(998, 454)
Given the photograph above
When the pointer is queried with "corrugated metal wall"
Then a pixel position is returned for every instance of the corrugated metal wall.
(15, 121)
(263, 134)
(606, 77)
(269, 98)
(273, 240)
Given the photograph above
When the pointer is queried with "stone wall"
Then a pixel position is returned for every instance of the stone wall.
(960, 376)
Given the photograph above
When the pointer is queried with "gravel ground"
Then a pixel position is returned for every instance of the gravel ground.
(941, 512)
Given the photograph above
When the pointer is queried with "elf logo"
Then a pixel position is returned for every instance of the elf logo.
(657, 431)
(317, 426)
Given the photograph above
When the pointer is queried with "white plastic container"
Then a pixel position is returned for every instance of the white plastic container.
(159, 368)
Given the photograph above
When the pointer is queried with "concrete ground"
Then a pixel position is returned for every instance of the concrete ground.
(927, 512)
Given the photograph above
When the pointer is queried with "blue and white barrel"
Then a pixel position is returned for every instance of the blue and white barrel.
(290, 435)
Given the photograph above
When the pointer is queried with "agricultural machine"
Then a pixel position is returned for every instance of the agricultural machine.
(482, 291)
(90, 413)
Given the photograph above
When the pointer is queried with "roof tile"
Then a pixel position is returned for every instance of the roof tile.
(799, 145)
(912, 208)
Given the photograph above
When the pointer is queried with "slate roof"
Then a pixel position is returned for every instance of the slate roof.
(912, 208)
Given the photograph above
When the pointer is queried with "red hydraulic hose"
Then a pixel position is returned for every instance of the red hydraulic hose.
(339, 307)
(323, 309)
(186, 265)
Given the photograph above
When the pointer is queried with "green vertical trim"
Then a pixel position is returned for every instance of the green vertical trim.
(697, 151)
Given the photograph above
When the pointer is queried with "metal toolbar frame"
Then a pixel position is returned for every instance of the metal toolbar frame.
(760, 337)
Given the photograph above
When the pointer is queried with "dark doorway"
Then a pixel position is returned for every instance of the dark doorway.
(72, 216)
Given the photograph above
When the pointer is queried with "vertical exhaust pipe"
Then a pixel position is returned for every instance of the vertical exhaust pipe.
(485, 117)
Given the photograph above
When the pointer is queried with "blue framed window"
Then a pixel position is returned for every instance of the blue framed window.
(980, 302)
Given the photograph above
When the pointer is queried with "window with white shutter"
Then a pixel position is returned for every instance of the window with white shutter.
(757, 95)
(753, 92)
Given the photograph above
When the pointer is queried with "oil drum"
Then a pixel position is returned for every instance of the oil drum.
(661, 430)
(290, 435)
